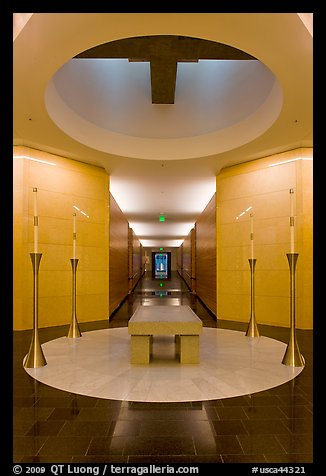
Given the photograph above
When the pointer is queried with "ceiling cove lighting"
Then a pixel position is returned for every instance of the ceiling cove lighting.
(34, 160)
(290, 160)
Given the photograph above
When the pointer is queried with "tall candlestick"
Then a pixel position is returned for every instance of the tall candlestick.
(292, 219)
(252, 234)
(74, 236)
(35, 221)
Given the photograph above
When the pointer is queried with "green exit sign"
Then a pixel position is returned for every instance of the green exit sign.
(162, 218)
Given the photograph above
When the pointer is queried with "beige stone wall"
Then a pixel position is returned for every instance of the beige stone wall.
(62, 186)
(264, 186)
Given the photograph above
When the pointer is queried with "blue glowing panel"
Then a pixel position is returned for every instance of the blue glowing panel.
(161, 265)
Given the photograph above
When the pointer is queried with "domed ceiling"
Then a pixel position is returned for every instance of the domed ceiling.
(162, 101)
(147, 97)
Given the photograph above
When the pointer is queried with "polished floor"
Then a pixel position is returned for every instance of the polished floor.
(98, 365)
(273, 425)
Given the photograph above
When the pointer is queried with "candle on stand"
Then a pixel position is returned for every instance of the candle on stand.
(35, 221)
(292, 219)
(74, 236)
(252, 235)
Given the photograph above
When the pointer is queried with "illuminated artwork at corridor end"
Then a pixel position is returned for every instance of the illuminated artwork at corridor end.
(161, 265)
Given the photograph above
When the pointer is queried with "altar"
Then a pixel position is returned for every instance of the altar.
(180, 321)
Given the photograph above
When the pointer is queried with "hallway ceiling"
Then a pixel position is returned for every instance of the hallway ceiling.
(163, 101)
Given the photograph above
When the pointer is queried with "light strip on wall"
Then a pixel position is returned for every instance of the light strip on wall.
(243, 213)
(289, 160)
(81, 211)
(34, 160)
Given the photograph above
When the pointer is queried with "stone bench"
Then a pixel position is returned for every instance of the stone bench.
(180, 321)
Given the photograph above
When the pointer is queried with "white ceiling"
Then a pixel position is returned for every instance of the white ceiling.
(163, 158)
(106, 104)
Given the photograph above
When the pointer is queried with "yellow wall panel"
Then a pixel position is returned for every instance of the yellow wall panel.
(60, 187)
(262, 187)
(63, 179)
(272, 310)
(234, 307)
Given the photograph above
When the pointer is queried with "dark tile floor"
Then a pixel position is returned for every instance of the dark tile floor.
(273, 426)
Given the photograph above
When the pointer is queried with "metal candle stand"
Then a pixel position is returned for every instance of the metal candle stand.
(252, 330)
(292, 354)
(74, 330)
(35, 357)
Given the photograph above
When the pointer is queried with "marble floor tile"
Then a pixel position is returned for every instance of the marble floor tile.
(98, 365)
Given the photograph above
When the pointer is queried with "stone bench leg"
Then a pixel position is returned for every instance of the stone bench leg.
(141, 349)
(189, 349)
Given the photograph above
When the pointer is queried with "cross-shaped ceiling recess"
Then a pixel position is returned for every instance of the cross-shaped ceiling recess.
(164, 52)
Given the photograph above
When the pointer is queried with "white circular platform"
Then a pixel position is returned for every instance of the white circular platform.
(98, 365)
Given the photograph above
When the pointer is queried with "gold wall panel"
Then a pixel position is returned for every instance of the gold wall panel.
(264, 185)
(205, 233)
(187, 260)
(60, 187)
(119, 256)
(136, 259)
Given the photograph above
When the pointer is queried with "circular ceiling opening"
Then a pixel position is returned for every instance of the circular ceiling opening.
(163, 97)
